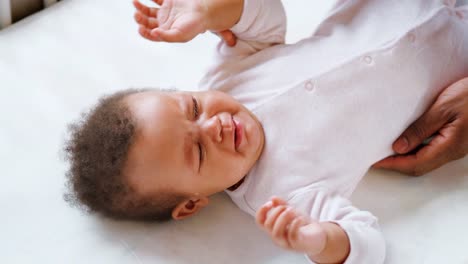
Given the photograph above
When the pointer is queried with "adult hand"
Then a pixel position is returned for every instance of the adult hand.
(446, 121)
(175, 21)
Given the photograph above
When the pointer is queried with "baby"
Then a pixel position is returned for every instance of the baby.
(287, 131)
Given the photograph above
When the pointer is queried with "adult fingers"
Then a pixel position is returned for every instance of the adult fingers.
(148, 11)
(142, 19)
(439, 151)
(424, 127)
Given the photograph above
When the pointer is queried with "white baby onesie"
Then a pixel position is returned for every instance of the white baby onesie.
(332, 104)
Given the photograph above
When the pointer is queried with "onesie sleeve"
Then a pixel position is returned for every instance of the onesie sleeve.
(366, 241)
(261, 25)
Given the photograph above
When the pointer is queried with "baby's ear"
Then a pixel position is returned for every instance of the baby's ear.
(189, 207)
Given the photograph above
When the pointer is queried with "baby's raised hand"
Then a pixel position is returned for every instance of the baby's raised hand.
(290, 229)
(173, 21)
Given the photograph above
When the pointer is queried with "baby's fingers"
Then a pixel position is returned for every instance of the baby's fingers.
(278, 201)
(148, 11)
(272, 216)
(146, 33)
(171, 35)
(279, 232)
(142, 19)
(228, 37)
(262, 213)
(293, 229)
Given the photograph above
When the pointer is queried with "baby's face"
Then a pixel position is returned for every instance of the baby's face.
(193, 143)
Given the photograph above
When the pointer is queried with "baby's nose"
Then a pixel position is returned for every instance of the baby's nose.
(213, 129)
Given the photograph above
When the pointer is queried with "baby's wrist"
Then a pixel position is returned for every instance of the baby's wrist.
(317, 237)
(206, 14)
(336, 245)
(221, 14)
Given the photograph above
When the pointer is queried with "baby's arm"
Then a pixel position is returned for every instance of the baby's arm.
(323, 242)
(181, 20)
(256, 24)
(261, 25)
(325, 227)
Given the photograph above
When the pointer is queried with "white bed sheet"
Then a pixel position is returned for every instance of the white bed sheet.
(55, 64)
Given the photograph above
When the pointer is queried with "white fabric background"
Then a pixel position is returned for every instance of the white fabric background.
(55, 64)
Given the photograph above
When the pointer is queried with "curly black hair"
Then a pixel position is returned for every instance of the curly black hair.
(97, 152)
